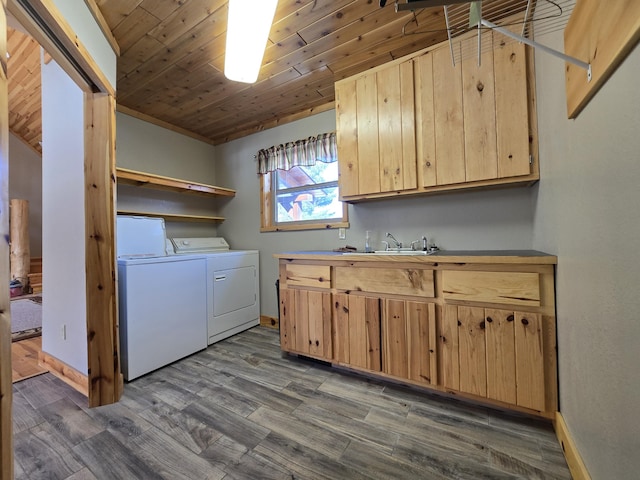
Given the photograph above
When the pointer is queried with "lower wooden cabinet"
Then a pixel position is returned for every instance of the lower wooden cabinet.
(305, 322)
(485, 333)
(357, 330)
(409, 340)
(502, 355)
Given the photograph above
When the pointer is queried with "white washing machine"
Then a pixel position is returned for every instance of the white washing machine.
(162, 299)
(233, 285)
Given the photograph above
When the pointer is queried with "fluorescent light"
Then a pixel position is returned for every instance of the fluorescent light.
(247, 32)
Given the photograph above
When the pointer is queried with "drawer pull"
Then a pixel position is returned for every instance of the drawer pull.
(489, 319)
(510, 318)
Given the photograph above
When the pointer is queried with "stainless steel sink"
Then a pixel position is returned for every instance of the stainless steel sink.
(393, 252)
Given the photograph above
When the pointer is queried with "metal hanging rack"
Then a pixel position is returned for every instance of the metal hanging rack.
(463, 16)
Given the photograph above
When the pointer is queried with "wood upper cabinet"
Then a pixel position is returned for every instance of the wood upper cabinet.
(409, 340)
(472, 120)
(464, 126)
(376, 131)
(503, 355)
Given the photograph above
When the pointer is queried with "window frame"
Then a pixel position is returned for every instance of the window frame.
(267, 211)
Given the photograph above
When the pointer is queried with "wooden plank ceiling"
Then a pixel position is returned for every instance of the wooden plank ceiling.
(23, 71)
(172, 58)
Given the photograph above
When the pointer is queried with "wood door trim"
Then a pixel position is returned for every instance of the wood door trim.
(6, 385)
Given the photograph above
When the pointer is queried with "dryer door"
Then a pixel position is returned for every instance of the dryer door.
(233, 289)
(233, 301)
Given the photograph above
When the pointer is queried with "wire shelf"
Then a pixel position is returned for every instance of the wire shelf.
(522, 17)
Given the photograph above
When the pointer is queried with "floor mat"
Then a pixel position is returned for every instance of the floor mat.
(26, 318)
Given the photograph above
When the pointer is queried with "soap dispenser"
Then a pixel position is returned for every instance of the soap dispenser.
(367, 241)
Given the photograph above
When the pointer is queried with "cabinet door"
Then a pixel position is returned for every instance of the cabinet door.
(478, 94)
(375, 120)
(448, 116)
(305, 322)
(448, 349)
(287, 324)
(530, 369)
(357, 330)
(347, 137)
(319, 314)
(396, 128)
(472, 353)
(472, 120)
(367, 134)
(512, 108)
(408, 332)
(503, 355)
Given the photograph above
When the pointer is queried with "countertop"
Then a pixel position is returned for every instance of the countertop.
(442, 256)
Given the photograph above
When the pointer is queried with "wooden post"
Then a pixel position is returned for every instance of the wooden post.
(20, 257)
(105, 380)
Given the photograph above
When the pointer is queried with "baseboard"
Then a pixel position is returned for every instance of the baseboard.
(574, 460)
(269, 322)
(64, 372)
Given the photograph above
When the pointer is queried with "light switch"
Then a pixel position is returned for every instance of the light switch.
(342, 233)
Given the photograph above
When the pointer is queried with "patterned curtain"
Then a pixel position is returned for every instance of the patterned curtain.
(299, 153)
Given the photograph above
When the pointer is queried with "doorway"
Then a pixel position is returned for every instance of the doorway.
(47, 24)
(25, 192)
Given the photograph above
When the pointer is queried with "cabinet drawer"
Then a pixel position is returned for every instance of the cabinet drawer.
(400, 281)
(318, 276)
(512, 288)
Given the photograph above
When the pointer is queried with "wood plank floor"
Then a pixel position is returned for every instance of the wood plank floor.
(239, 410)
(24, 359)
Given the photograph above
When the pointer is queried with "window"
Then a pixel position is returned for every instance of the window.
(304, 194)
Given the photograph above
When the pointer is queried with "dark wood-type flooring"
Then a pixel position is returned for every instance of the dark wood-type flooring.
(239, 410)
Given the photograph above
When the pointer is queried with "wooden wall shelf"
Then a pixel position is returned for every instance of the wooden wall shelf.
(150, 180)
(174, 216)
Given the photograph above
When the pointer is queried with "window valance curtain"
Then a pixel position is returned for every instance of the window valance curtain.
(299, 153)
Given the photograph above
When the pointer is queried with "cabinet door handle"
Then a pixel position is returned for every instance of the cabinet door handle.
(525, 321)
(220, 278)
(510, 318)
(489, 319)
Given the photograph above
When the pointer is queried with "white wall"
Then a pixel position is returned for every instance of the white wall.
(63, 226)
(81, 21)
(587, 211)
(149, 148)
(25, 183)
(498, 219)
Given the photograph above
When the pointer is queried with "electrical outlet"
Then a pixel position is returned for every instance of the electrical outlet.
(342, 233)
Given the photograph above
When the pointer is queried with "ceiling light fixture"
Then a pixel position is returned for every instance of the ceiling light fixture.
(248, 28)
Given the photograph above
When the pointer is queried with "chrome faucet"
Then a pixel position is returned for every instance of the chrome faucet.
(425, 244)
(398, 244)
